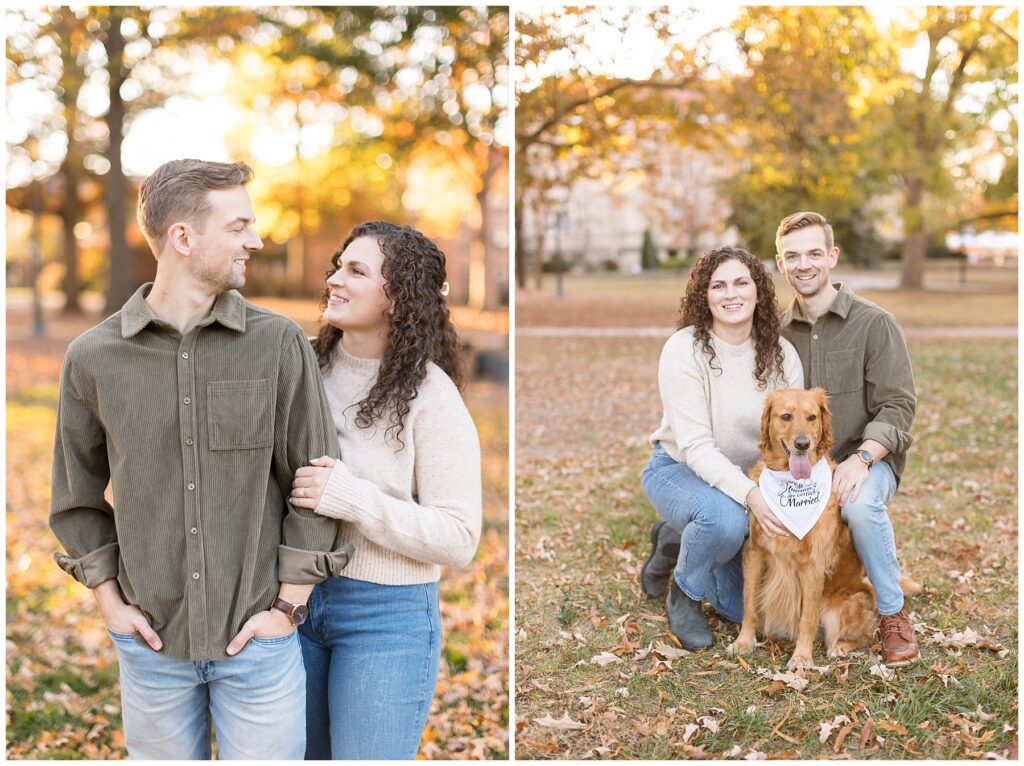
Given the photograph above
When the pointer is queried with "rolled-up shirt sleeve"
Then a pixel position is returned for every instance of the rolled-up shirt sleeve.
(889, 386)
(304, 430)
(80, 516)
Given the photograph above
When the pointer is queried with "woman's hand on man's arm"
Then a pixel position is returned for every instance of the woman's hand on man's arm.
(310, 481)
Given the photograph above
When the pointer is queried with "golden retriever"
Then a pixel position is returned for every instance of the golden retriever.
(793, 587)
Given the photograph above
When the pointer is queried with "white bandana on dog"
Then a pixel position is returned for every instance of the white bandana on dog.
(798, 504)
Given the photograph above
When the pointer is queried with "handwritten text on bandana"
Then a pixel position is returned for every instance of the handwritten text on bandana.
(797, 504)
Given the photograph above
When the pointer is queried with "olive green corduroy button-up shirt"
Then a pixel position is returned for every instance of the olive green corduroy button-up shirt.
(199, 437)
(856, 352)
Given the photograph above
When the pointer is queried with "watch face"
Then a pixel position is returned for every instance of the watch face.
(866, 456)
(299, 614)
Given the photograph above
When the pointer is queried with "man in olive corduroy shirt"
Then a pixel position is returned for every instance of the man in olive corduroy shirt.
(196, 407)
(856, 352)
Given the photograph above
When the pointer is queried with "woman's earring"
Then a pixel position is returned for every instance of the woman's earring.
(444, 289)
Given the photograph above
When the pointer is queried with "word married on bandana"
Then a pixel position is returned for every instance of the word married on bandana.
(797, 503)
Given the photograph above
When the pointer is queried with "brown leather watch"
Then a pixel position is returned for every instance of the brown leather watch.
(297, 613)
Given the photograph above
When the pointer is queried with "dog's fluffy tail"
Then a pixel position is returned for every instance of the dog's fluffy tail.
(910, 586)
(906, 584)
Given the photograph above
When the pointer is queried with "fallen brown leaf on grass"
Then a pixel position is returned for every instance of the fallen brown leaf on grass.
(788, 678)
(825, 728)
(965, 638)
(609, 749)
(841, 737)
(773, 688)
(893, 726)
(669, 652)
(565, 723)
(694, 753)
(866, 732)
(709, 722)
(882, 671)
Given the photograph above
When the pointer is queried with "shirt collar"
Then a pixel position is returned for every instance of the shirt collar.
(228, 310)
(840, 306)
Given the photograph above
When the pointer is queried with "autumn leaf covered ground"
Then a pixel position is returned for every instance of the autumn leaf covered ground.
(598, 674)
(62, 680)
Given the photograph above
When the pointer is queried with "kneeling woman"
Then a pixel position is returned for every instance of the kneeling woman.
(407, 490)
(714, 375)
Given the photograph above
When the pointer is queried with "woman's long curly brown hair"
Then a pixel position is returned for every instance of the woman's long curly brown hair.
(419, 324)
(694, 310)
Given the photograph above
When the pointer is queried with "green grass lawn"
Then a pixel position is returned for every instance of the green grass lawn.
(623, 300)
(584, 409)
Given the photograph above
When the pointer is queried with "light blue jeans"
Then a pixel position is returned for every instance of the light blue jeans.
(371, 653)
(256, 698)
(713, 528)
(873, 537)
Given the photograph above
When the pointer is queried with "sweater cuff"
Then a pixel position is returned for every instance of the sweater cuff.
(344, 496)
(738, 489)
(301, 567)
(94, 567)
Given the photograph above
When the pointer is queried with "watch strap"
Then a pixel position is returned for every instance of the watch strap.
(283, 606)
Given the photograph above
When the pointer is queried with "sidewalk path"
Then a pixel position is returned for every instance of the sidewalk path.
(663, 332)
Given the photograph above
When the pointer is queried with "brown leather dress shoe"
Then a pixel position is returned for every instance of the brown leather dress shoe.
(898, 644)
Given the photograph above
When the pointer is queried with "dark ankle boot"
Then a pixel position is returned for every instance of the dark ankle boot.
(686, 619)
(656, 570)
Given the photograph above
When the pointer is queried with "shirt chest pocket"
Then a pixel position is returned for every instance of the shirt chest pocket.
(844, 371)
(240, 414)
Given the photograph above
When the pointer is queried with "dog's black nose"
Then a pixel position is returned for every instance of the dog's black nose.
(802, 443)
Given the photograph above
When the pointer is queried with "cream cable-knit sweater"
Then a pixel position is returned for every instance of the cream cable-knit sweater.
(712, 418)
(407, 511)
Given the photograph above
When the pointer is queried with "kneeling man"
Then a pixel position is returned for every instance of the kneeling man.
(856, 352)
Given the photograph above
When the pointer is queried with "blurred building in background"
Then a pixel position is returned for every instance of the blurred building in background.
(668, 191)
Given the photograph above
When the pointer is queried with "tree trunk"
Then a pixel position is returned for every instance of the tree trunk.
(71, 80)
(121, 280)
(915, 242)
(492, 256)
(69, 215)
(915, 248)
(538, 252)
(520, 250)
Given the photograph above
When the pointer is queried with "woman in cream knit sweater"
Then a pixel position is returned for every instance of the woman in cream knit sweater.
(407, 491)
(714, 375)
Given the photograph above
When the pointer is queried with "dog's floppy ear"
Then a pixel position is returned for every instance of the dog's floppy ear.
(825, 419)
(766, 422)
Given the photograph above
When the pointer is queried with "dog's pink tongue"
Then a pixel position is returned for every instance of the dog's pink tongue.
(800, 465)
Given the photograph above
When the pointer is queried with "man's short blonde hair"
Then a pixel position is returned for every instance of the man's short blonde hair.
(177, 192)
(801, 221)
